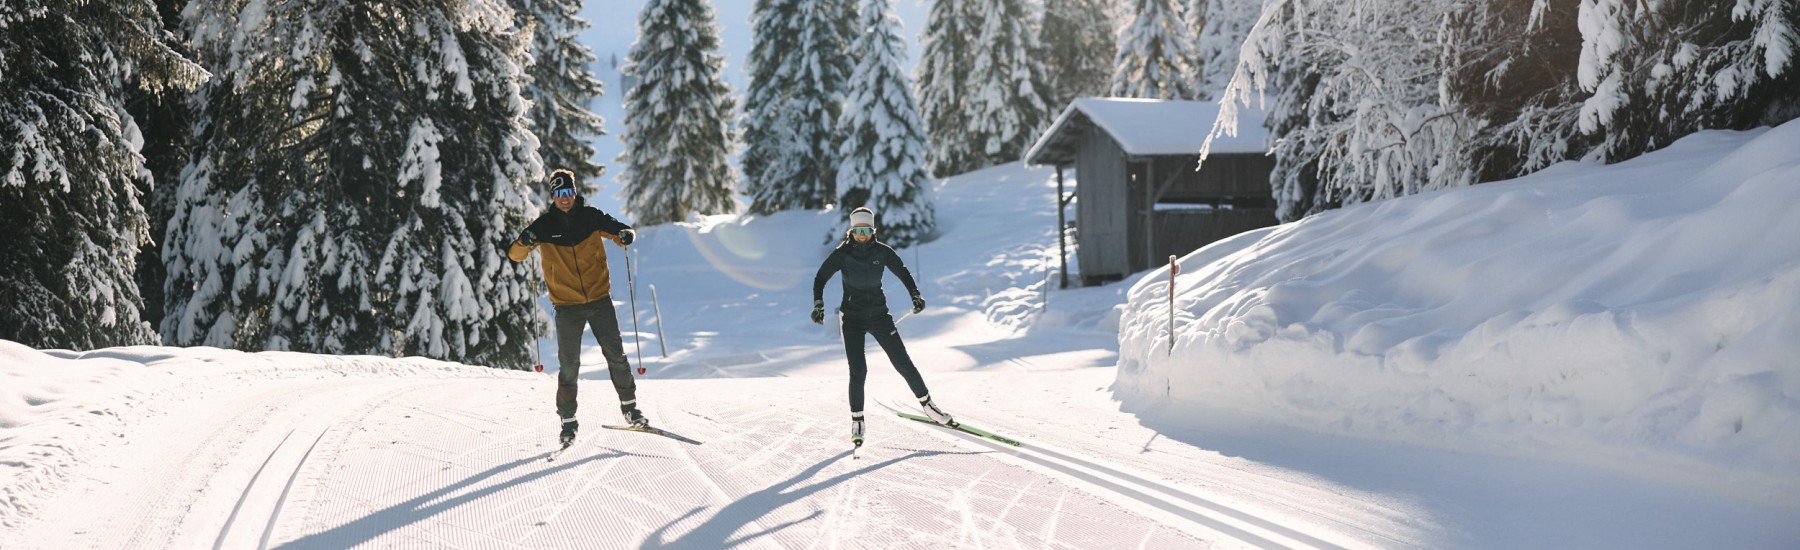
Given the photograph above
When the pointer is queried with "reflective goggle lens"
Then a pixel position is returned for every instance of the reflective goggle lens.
(563, 193)
(862, 231)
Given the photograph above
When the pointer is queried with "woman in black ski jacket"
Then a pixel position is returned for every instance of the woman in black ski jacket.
(864, 311)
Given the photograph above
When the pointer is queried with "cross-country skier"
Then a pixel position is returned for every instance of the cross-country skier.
(570, 238)
(864, 310)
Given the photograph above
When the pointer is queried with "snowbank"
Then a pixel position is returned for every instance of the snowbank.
(1644, 316)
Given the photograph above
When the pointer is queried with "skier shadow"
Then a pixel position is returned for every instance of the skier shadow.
(413, 511)
(716, 531)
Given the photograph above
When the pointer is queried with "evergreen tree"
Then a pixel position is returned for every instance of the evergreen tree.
(1221, 25)
(676, 115)
(943, 74)
(1656, 70)
(562, 84)
(360, 167)
(797, 69)
(1437, 94)
(883, 157)
(1079, 47)
(165, 121)
(71, 173)
(1006, 102)
(1156, 54)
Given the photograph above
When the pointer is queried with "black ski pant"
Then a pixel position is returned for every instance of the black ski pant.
(604, 320)
(885, 333)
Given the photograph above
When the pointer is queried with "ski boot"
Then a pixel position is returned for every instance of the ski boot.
(634, 418)
(569, 425)
(936, 415)
(856, 430)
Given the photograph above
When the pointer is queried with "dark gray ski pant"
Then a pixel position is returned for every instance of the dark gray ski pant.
(604, 320)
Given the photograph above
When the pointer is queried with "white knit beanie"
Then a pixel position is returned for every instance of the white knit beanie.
(862, 216)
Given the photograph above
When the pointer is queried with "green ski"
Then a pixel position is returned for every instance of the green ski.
(965, 428)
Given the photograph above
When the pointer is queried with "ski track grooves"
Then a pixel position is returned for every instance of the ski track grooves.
(285, 489)
(1213, 516)
(229, 520)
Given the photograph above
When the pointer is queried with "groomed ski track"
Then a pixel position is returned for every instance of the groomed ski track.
(371, 461)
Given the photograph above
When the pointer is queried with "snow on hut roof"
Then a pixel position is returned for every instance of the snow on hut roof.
(1147, 127)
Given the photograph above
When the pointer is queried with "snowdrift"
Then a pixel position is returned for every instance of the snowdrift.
(1644, 316)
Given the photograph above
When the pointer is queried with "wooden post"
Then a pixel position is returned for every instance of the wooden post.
(1174, 269)
(1062, 237)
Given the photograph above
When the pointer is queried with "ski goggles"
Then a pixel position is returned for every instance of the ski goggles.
(565, 193)
(862, 231)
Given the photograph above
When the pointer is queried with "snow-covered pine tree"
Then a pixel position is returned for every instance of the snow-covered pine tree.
(165, 120)
(1522, 82)
(797, 70)
(1221, 25)
(1007, 103)
(942, 83)
(676, 116)
(1656, 70)
(1442, 94)
(1156, 53)
(70, 168)
(360, 166)
(561, 85)
(1079, 46)
(882, 163)
(1360, 104)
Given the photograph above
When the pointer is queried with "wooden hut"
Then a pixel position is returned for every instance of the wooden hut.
(1138, 197)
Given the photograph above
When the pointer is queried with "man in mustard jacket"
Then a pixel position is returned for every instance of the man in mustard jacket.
(570, 239)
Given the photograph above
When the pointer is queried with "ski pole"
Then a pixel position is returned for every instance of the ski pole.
(637, 338)
(543, 286)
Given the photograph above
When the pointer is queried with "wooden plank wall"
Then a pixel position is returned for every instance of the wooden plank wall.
(1102, 207)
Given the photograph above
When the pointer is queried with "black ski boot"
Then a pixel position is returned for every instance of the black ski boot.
(634, 418)
(569, 425)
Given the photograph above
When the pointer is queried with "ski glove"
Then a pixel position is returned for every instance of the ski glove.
(626, 236)
(918, 302)
(818, 313)
(527, 238)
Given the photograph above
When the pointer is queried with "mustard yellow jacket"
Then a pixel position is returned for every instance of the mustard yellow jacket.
(572, 245)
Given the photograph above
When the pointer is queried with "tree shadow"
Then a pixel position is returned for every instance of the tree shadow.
(716, 531)
(415, 510)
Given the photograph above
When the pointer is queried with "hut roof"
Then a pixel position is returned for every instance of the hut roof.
(1147, 127)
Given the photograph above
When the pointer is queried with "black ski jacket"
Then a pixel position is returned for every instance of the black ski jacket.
(862, 265)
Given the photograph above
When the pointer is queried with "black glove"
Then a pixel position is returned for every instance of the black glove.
(818, 314)
(527, 238)
(626, 236)
(918, 302)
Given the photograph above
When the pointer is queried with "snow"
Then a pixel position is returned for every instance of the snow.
(1159, 127)
(1636, 317)
(1559, 361)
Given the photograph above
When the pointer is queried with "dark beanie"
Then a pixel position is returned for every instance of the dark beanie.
(561, 179)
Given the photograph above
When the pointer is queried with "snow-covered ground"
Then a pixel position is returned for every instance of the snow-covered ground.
(1406, 374)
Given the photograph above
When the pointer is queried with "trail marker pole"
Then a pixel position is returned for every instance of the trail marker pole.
(637, 338)
(654, 303)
